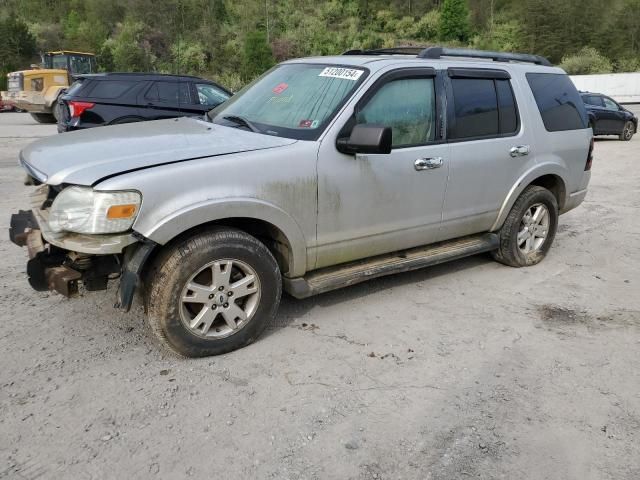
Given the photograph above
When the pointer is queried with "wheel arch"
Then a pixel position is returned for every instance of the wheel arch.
(550, 178)
(276, 229)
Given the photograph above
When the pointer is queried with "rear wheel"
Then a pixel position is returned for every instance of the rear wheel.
(627, 131)
(213, 293)
(43, 117)
(530, 227)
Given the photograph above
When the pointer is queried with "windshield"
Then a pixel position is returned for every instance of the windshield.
(291, 100)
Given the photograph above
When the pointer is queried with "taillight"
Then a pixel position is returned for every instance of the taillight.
(587, 165)
(77, 108)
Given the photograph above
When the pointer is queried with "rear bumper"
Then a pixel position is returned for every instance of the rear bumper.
(573, 200)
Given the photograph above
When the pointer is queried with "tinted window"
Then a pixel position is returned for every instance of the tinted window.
(508, 114)
(169, 92)
(210, 95)
(476, 107)
(593, 100)
(75, 87)
(558, 100)
(407, 106)
(110, 88)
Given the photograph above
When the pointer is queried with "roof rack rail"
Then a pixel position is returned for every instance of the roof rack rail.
(408, 50)
(437, 52)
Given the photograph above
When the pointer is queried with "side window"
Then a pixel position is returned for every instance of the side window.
(594, 100)
(559, 103)
(407, 106)
(80, 64)
(210, 95)
(507, 110)
(109, 88)
(610, 104)
(475, 106)
(169, 92)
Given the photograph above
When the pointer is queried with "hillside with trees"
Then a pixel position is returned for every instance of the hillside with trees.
(234, 41)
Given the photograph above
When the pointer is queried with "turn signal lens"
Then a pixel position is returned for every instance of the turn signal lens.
(587, 165)
(121, 211)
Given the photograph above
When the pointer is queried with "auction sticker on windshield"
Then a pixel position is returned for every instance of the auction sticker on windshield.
(343, 73)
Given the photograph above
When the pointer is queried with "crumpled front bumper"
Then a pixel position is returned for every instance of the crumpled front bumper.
(59, 262)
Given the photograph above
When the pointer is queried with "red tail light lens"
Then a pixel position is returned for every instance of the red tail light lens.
(77, 108)
(587, 166)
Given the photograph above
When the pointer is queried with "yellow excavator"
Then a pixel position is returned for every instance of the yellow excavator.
(37, 90)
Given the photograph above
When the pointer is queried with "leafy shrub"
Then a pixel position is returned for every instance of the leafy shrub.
(586, 61)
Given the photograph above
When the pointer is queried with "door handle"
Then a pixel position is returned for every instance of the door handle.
(519, 151)
(428, 163)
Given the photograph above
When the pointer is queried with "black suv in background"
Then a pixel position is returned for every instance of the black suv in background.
(112, 98)
(607, 117)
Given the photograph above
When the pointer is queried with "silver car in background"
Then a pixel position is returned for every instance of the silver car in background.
(322, 173)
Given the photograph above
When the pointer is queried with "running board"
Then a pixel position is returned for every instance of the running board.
(330, 278)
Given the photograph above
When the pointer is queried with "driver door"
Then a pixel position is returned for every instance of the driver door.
(378, 203)
(615, 117)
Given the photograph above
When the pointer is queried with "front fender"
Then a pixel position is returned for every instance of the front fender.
(208, 211)
(523, 182)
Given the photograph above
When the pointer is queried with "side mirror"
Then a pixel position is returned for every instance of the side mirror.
(366, 138)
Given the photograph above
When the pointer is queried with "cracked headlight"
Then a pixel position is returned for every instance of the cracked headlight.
(84, 210)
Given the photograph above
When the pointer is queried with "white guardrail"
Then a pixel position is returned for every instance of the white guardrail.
(622, 87)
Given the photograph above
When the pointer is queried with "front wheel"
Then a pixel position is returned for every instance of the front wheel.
(627, 132)
(213, 293)
(530, 227)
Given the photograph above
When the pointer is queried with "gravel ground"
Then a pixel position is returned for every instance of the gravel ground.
(465, 370)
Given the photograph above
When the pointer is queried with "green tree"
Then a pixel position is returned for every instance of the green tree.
(17, 47)
(257, 54)
(454, 20)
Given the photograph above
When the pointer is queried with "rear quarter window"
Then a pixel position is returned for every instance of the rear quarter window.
(559, 103)
(110, 88)
(75, 87)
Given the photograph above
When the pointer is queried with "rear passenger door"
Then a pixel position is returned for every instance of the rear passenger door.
(489, 148)
(168, 99)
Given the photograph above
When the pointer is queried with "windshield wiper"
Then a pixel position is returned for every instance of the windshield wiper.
(237, 119)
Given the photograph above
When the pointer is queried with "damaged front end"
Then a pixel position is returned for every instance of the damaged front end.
(61, 261)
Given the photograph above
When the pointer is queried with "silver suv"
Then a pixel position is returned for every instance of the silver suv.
(322, 173)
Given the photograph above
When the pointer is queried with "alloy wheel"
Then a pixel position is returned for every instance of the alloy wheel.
(220, 298)
(534, 228)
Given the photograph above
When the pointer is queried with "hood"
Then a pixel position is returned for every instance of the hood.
(84, 157)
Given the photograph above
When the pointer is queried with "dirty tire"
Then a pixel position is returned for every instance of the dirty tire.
(508, 253)
(43, 117)
(175, 266)
(627, 132)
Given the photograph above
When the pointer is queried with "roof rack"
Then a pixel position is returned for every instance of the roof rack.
(387, 51)
(437, 52)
